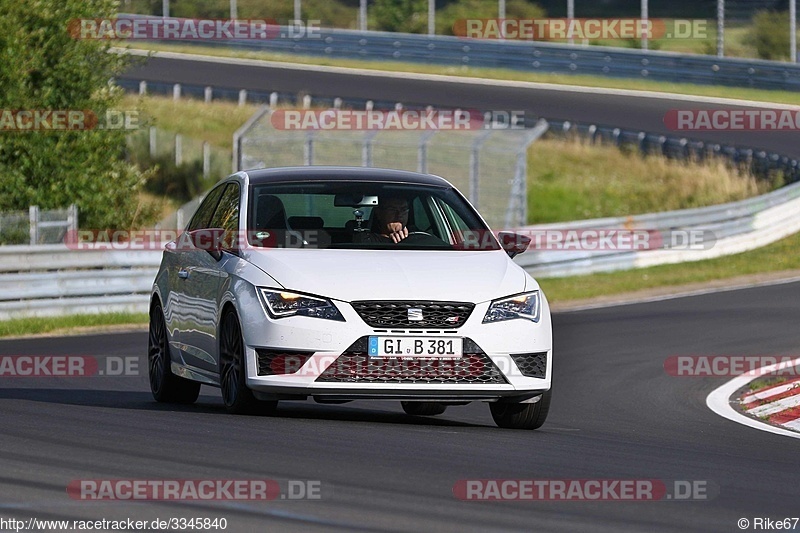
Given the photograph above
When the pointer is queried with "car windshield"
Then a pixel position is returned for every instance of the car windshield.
(363, 215)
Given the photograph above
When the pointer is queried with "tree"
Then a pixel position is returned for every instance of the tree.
(407, 16)
(42, 67)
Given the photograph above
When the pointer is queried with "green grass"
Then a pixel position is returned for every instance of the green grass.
(574, 179)
(784, 97)
(215, 122)
(776, 257)
(67, 324)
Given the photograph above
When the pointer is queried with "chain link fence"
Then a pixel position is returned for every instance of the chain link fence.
(37, 226)
(488, 165)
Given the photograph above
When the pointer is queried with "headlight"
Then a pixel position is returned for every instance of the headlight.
(524, 305)
(281, 304)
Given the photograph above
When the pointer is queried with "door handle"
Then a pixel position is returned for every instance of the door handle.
(183, 273)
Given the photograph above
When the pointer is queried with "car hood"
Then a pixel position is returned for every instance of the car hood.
(350, 275)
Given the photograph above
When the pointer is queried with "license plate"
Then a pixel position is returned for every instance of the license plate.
(428, 347)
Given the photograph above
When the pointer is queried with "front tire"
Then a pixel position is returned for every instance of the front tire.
(521, 415)
(165, 386)
(423, 408)
(236, 396)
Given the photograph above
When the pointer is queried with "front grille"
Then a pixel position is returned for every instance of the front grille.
(533, 365)
(356, 366)
(278, 362)
(395, 314)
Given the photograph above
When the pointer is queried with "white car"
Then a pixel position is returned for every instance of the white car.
(343, 284)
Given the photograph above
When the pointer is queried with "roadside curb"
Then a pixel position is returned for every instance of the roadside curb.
(771, 399)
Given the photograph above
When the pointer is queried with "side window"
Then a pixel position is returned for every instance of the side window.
(203, 214)
(421, 219)
(226, 215)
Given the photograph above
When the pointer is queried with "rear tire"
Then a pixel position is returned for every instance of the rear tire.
(521, 415)
(423, 408)
(165, 386)
(236, 396)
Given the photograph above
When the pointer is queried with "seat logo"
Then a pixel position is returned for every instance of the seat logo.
(414, 314)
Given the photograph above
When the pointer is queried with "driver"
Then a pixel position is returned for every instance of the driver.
(390, 218)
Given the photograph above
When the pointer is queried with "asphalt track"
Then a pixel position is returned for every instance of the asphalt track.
(616, 414)
(646, 114)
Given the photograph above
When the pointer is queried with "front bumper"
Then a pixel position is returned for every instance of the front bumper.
(328, 367)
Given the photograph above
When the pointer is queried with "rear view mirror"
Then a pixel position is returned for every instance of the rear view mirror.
(354, 200)
(513, 243)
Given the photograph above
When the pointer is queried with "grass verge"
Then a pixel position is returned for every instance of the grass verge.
(776, 257)
(759, 95)
(67, 324)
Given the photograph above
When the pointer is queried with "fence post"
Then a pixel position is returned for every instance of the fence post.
(142, 87)
(206, 159)
(176, 92)
(366, 148)
(153, 144)
(72, 218)
(178, 149)
(474, 166)
(273, 100)
(422, 151)
(208, 94)
(242, 97)
(33, 220)
(308, 149)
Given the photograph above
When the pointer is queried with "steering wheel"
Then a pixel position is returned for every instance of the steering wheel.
(410, 233)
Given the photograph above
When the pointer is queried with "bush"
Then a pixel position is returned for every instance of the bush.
(406, 16)
(483, 9)
(770, 35)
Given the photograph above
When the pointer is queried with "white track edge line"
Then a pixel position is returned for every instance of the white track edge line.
(719, 402)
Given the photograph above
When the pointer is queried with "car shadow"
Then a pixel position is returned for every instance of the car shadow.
(209, 404)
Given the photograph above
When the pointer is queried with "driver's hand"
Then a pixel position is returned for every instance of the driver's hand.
(397, 232)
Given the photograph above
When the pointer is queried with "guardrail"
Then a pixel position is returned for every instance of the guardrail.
(530, 56)
(736, 227)
(52, 280)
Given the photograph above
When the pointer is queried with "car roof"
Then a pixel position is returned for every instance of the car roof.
(336, 173)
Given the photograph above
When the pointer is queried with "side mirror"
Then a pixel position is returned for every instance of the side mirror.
(513, 243)
(213, 241)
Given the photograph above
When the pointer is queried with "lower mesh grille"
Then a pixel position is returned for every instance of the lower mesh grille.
(356, 366)
(532, 365)
(279, 362)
